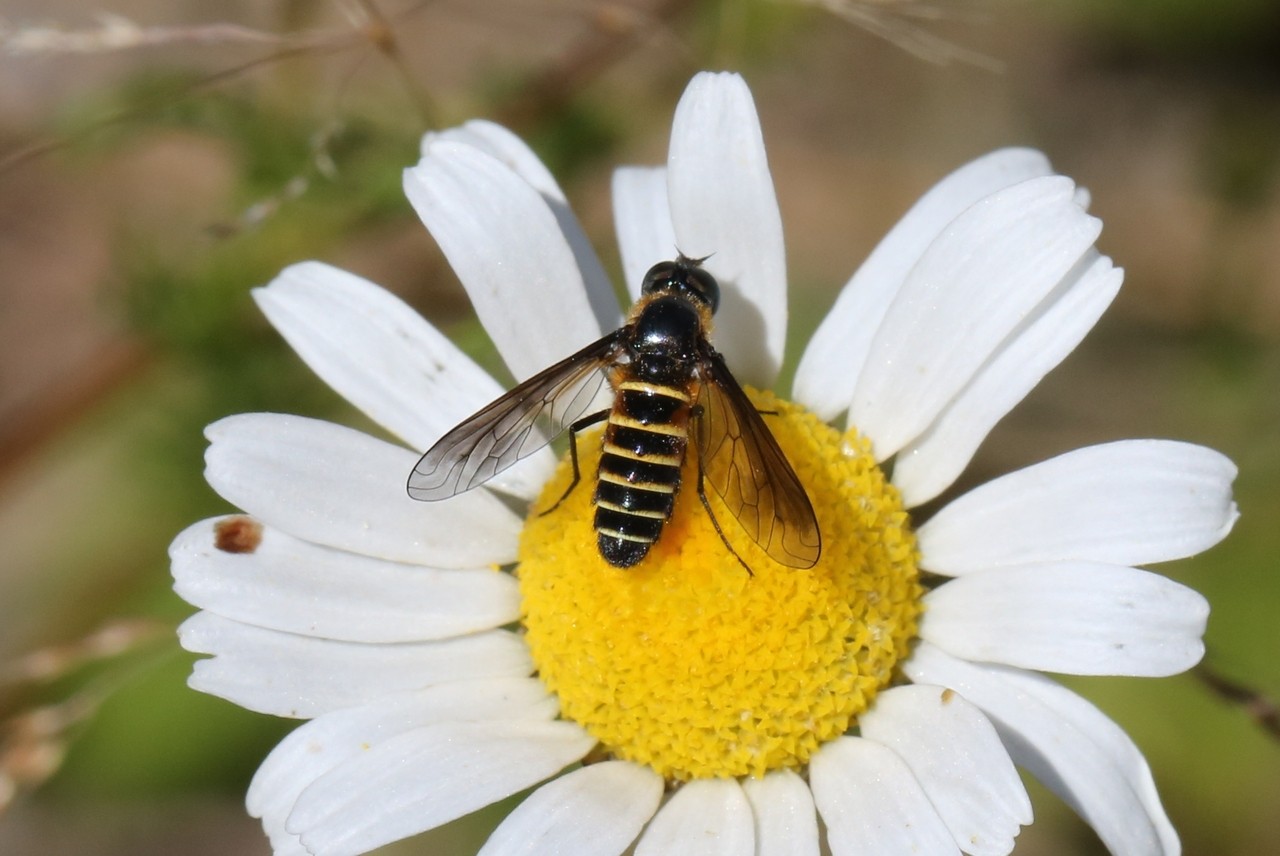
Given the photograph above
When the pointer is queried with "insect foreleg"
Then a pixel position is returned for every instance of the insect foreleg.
(702, 495)
(585, 422)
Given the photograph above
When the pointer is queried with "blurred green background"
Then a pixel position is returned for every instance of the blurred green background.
(149, 177)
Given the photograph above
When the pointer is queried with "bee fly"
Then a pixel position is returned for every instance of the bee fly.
(668, 383)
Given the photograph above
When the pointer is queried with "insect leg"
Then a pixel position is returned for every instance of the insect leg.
(702, 495)
(585, 422)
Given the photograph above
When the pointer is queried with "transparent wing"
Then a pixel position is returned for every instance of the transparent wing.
(743, 463)
(515, 426)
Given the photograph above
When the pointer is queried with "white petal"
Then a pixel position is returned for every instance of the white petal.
(375, 351)
(593, 811)
(423, 778)
(872, 803)
(299, 587)
(706, 817)
(642, 217)
(283, 843)
(1066, 743)
(723, 206)
(931, 462)
(786, 824)
(1075, 617)
(341, 488)
(495, 140)
(313, 749)
(975, 284)
(499, 142)
(958, 759)
(380, 355)
(837, 353)
(300, 676)
(506, 247)
(1127, 503)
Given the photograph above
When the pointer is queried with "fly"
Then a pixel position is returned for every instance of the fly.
(669, 386)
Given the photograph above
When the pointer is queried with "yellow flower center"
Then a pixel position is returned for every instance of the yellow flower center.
(688, 664)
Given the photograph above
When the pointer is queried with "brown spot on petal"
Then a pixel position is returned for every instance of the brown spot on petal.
(237, 534)
(948, 695)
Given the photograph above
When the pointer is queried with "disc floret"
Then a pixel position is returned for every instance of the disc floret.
(690, 665)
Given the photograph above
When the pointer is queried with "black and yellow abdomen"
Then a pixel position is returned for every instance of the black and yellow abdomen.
(639, 476)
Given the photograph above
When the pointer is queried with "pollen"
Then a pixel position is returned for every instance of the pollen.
(689, 664)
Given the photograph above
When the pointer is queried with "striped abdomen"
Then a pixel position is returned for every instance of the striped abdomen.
(639, 476)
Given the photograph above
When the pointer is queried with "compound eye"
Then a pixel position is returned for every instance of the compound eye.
(658, 277)
(706, 286)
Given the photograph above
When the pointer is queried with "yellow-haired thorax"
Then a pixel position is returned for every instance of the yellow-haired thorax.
(705, 314)
(688, 664)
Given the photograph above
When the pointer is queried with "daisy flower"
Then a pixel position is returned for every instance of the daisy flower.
(451, 654)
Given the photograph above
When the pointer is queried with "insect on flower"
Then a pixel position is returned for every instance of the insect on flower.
(668, 383)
